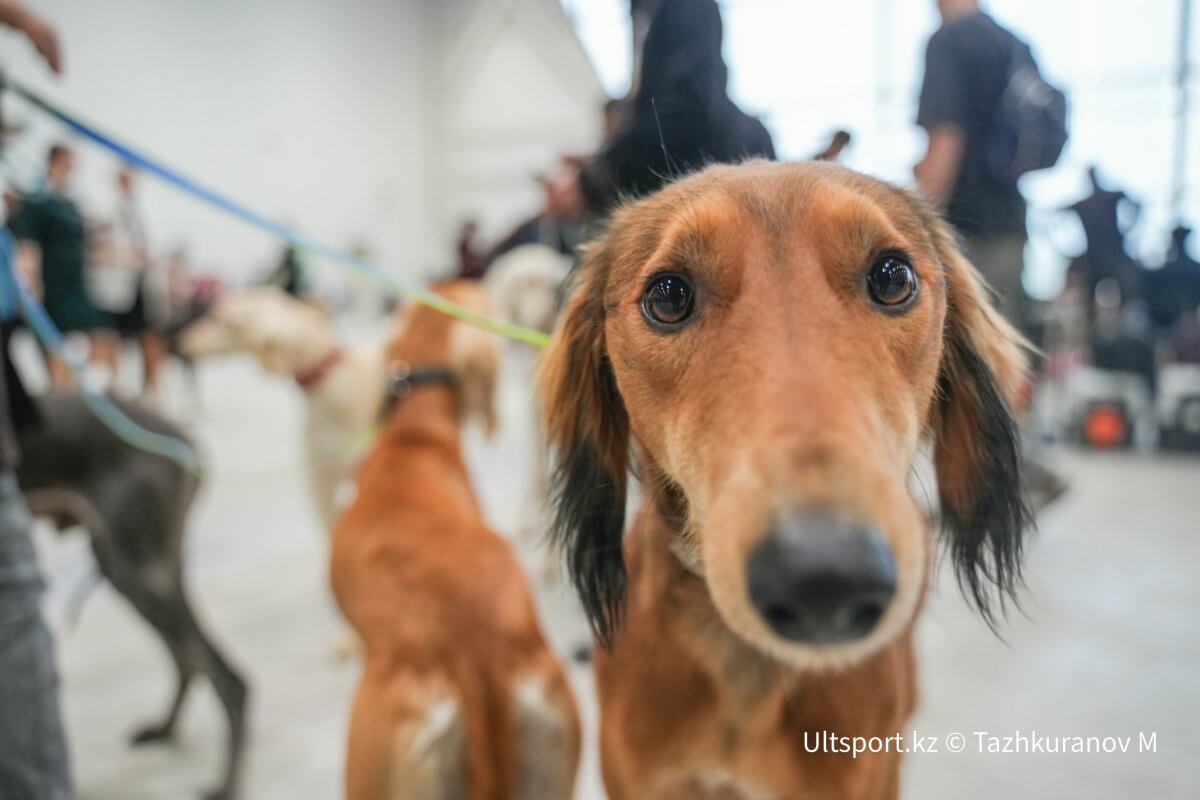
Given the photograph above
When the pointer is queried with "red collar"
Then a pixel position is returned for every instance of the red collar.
(308, 379)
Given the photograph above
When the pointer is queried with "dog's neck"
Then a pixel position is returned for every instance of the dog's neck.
(419, 447)
(428, 413)
(670, 505)
(312, 376)
(748, 676)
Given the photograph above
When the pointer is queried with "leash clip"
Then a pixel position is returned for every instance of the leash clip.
(399, 380)
(403, 377)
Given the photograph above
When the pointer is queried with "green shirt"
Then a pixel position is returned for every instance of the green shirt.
(54, 222)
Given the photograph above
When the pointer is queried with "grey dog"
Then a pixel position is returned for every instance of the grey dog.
(134, 506)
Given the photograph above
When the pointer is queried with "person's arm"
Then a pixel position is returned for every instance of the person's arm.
(1135, 211)
(564, 193)
(29, 266)
(942, 112)
(24, 225)
(938, 170)
(36, 30)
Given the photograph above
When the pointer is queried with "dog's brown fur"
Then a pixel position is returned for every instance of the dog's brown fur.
(788, 388)
(459, 696)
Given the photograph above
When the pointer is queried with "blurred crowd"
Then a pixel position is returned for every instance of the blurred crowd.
(99, 278)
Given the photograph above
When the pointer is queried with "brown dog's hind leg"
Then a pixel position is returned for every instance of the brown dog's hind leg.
(407, 741)
(547, 741)
(430, 756)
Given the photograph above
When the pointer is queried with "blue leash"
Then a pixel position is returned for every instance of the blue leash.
(529, 336)
(108, 413)
(13, 289)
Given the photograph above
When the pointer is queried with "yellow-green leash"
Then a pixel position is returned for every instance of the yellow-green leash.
(177, 179)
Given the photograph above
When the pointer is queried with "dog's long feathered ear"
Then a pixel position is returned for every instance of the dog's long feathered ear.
(588, 430)
(977, 440)
(475, 356)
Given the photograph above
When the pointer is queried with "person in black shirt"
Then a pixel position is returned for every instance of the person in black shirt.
(678, 119)
(1173, 291)
(968, 62)
(289, 274)
(1105, 227)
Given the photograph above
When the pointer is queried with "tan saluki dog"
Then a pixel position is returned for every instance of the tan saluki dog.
(768, 345)
(459, 696)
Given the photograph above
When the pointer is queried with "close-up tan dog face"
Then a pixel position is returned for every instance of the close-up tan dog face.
(771, 344)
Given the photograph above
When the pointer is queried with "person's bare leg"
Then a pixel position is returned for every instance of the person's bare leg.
(61, 376)
(104, 349)
(154, 355)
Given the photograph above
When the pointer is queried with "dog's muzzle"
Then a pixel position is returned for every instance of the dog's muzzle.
(818, 577)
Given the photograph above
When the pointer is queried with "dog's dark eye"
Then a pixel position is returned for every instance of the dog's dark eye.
(891, 281)
(669, 300)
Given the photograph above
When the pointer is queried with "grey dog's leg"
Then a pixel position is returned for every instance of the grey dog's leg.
(167, 610)
(164, 609)
(164, 730)
(232, 691)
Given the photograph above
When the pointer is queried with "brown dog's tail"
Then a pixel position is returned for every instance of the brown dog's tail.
(408, 741)
(522, 737)
(490, 746)
(547, 735)
(441, 742)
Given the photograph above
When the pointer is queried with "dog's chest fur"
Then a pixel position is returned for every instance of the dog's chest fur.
(717, 784)
(748, 681)
(340, 414)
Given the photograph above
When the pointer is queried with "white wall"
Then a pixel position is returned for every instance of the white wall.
(380, 121)
(512, 91)
(309, 110)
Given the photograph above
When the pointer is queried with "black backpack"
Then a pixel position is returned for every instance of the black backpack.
(1029, 129)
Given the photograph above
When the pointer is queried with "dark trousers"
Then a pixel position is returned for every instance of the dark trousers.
(33, 751)
(1001, 262)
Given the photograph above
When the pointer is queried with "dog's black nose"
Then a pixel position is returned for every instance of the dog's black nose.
(820, 578)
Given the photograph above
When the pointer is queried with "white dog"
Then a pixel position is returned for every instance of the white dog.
(343, 386)
(525, 285)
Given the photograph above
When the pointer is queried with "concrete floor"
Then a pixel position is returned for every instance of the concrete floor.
(1109, 646)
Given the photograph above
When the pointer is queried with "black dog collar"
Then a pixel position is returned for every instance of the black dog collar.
(404, 377)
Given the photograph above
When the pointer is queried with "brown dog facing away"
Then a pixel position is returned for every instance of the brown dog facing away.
(771, 344)
(459, 696)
